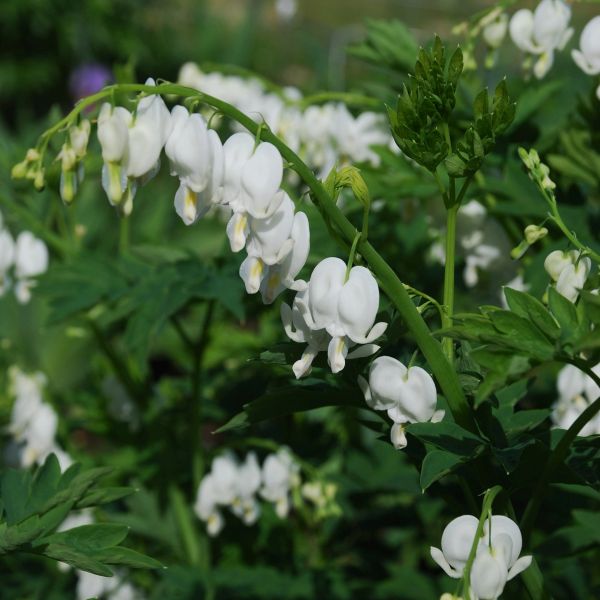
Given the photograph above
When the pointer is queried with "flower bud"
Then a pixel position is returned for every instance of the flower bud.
(495, 32)
(32, 155)
(533, 233)
(19, 171)
(79, 136)
(39, 180)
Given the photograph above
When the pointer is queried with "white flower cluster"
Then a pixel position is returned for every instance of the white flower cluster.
(241, 175)
(569, 271)
(33, 423)
(323, 135)
(576, 391)
(541, 32)
(545, 30)
(497, 556)
(407, 394)
(334, 312)
(236, 486)
(27, 257)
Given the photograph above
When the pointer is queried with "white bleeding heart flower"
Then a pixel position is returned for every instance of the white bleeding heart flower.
(282, 275)
(148, 132)
(30, 260)
(206, 505)
(252, 176)
(298, 330)
(569, 271)
(79, 136)
(457, 540)
(576, 391)
(113, 135)
(497, 560)
(340, 310)
(496, 556)
(587, 57)
(495, 30)
(279, 476)
(7, 257)
(542, 32)
(245, 505)
(270, 239)
(408, 395)
(39, 435)
(188, 149)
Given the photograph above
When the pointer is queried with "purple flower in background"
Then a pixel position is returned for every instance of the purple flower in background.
(88, 79)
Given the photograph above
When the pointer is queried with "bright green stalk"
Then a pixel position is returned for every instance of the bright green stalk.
(389, 281)
(448, 303)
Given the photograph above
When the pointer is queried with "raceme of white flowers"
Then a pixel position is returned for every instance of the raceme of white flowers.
(497, 556)
(26, 257)
(33, 422)
(569, 271)
(587, 57)
(335, 312)
(407, 394)
(542, 32)
(323, 135)
(234, 485)
(576, 391)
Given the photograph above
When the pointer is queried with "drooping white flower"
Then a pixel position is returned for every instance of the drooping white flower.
(111, 588)
(282, 275)
(407, 394)
(587, 57)
(494, 30)
(298, 330)
(569, 270)
(576, 391)
(252, 176)
(542, 32)
(245, 504)
(344, 308)
(206, 505)
(7, 257)
(279, 476)
(457, 539)
(497, 560)
(113, 134)
(38, 437)
(30, 259)
(497, 553)
(149, 130)
(196, 157)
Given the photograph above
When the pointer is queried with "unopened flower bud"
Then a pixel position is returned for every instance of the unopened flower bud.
(67, 157)
(32, 155)
(533, 233)
(19, 171)
(39, 180)
(79, 136)
(68, 186)
(494, 32)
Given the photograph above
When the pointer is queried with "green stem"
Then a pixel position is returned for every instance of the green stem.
(196, 407)
(390, 283)
(124, 227)
(486, 509)
(448, 303)
(559, 453)
(352, 254)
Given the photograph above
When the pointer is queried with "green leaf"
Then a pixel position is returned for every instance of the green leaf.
(77, 559)
(564, 312)
(447, 436)
(126, 557)
(15, 487)
(528, 307)
(294, 398)
(437, 464)
(97, 497)
(88, 538)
